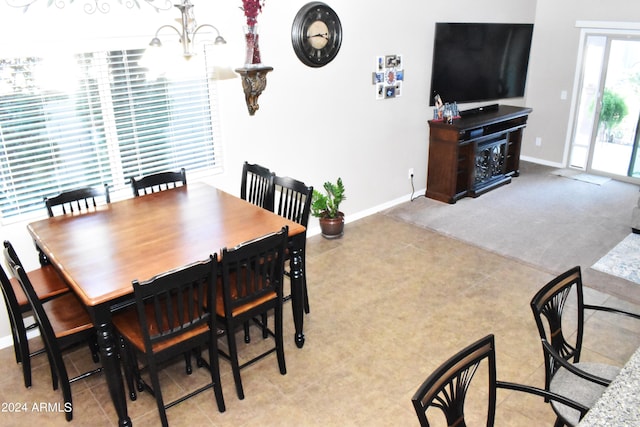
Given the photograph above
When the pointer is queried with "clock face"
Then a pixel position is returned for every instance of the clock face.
(316, 34)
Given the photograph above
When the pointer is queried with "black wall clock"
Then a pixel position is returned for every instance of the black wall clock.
(316, 34)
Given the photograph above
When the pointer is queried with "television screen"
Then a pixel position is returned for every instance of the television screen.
(475, 62)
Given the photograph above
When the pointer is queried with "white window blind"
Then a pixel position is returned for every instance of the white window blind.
(97, 119)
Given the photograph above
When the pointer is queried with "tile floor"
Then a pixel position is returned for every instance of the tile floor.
(389, 302)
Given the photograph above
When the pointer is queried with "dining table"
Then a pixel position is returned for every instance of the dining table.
(101, 252)
(619, 405)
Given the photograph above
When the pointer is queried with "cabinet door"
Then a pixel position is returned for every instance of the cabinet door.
(490, 160)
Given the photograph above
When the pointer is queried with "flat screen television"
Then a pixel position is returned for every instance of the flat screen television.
(475, 62)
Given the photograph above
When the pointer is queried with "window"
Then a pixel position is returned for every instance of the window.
(98, 118)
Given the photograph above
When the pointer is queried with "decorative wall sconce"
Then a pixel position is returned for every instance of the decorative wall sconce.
(254, 81)
(189, 30)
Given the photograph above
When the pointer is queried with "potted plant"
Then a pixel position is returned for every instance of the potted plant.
(326, 207)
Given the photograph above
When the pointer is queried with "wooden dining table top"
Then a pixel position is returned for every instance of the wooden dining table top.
(100, 253)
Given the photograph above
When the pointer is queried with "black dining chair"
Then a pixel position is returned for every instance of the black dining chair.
(257, 185)
(47, 284)
(448, 388)
(158, 182)
(154, 183)
(565, 373)
(249, 284)
(292, 200)
(64, 324)
(171, 318)
(79, 200)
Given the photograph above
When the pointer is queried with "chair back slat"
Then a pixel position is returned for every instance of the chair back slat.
(253, 271)
(173, 303)
(548, 306)
(158, 182)
(79, 200)
(257, 185)
(292, 199)
(447, 387)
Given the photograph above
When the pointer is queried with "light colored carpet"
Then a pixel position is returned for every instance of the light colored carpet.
(541, 219)
(623, 260)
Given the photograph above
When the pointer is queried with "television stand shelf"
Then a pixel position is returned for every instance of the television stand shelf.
(475, 154)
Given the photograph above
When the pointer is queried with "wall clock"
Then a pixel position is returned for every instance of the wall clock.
(316, 34)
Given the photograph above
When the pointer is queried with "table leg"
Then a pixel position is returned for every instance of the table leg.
(297, 287)
(42, 257)
(111, 366)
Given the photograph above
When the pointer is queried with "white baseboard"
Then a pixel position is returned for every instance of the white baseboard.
(8, 340)
(314, 228)
(541, 162)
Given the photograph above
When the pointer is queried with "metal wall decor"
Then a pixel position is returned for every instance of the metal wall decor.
(91, 6)
(254, 81)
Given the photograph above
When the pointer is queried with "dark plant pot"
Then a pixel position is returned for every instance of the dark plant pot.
(332, 228)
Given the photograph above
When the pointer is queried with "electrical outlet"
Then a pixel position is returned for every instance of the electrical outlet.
(410, 174)
(538, 141)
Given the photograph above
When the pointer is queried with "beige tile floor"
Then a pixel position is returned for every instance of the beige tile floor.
(389, 302)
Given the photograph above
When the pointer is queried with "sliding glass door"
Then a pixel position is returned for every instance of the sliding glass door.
(605, 134)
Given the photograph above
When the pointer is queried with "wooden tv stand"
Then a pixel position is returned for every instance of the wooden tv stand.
(476, 153)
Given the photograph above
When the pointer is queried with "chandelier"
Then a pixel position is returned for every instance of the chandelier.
(189, 30)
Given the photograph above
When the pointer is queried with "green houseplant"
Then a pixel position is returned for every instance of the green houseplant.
(614, 109)
(326, 207)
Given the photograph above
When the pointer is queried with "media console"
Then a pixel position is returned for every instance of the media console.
(477, 153)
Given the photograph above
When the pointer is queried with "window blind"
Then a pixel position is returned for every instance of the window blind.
(102, 120)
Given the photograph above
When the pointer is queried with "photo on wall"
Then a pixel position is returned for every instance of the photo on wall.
(388, 76)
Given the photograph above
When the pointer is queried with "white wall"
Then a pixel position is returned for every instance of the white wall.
(317, 124)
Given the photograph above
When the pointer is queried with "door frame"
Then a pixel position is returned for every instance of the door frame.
(588, 28)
